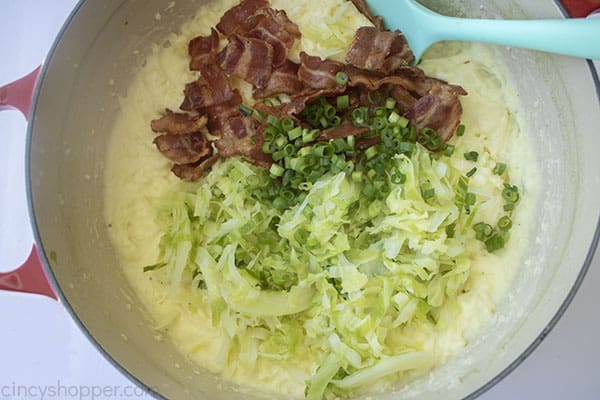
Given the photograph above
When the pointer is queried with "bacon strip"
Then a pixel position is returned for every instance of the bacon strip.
(241, 136)
(379, 51)
(283, 80)
(345, 129)
(275, 28)
(319, 74)
(247, 58)
(194, 171)
(210, 89)
(203, 50)
(178, 123)
(235, 19)
(440, 110)
(183, 149)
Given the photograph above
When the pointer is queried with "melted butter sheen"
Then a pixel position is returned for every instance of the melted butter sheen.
(132, 198)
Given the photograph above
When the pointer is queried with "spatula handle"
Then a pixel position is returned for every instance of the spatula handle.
(577, 37)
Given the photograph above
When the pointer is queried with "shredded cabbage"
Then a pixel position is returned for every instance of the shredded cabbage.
(337, 280)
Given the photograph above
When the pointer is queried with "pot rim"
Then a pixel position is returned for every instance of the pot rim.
(152, 391)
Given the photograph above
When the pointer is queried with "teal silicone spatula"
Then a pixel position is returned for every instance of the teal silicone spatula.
(422, 27)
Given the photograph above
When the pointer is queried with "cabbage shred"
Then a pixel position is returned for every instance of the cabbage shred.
(348, 282)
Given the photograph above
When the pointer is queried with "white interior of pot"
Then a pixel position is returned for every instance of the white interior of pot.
(92, 65)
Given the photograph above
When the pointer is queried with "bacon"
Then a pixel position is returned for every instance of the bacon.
(372, 81)
(275, 28)
(379, 51)
(283, 80)
(247, 58)
(178, 123)
(404, 99)
(203, 49)
(319, 74)
(210, 89)
(342, 131)
(194, 171)
(439, 110)
(220, 113)
(185, 148)
(235, 19)
(241, 136)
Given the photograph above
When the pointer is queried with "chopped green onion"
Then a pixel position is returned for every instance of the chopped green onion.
(245, 110)
(357, 176)
(276, 170)
(428, 193)
(295, 133)
(509, 207)
(460, 130)
(483, 230)
(472, 172)
(341, 78)
(287, 124)
(471, 156)
(310, 136)
(494, 243)
(500, 168)
(505, 223)
(371, 152)
(470, 199)
(328, 111)
(359, 115)
(154, 267)
(451, 230)
(272, 120)
(449, 150)
(510, 193)
(343, 102)
(390, 103)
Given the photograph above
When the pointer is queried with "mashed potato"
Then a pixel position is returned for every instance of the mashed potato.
(133, 200)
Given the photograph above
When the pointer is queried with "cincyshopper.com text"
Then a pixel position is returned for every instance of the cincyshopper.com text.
(61, 391)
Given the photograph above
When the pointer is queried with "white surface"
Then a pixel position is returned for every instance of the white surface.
(43, 355)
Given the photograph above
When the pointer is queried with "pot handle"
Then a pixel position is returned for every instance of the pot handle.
(581, 8)
(29, 277)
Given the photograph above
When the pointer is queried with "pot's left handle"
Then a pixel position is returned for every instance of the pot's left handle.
(29, 277)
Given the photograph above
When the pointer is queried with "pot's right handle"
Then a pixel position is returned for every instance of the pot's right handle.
(581, 8)
(29, 277)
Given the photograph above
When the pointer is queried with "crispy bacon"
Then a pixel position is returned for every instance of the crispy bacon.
(319, 74)
(439, 110)
(247, 58)
(194, 171)
(345, 129)
(183, 149)
(235, 19)
(178, 123)
(275, 28)
(203, 49)
(297, 104)
(241, 136)
(210, 89)
(379, 51)
(283, 80)
(218, 114)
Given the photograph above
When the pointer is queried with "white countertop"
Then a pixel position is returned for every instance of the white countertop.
(43, 354)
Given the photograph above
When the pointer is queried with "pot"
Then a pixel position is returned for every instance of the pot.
(72, 112)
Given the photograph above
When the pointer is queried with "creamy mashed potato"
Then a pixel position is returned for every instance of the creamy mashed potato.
(133, 199)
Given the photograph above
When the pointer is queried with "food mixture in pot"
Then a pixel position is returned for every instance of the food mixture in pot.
(305, 212)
